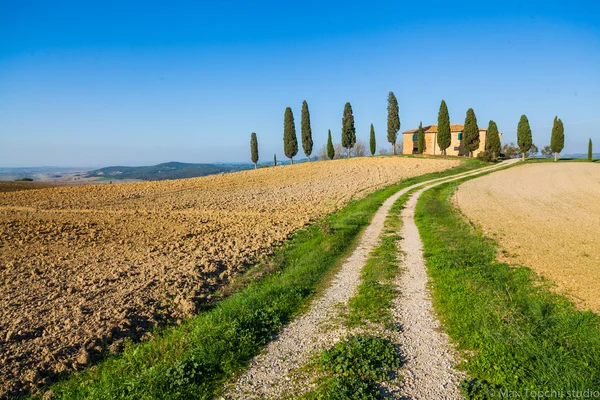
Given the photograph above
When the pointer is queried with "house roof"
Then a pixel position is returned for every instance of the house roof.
(433, 129)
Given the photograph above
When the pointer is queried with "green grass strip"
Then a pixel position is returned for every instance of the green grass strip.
(353, 368)
(521, 336)
(192, 360)
(376, 291)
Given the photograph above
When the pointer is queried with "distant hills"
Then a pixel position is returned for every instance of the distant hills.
(170, 170)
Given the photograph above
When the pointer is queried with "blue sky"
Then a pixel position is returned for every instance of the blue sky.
(137, 83)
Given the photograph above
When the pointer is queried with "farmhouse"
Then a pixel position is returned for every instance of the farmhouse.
(411, 140)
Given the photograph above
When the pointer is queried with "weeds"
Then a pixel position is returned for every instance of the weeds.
(353, 367)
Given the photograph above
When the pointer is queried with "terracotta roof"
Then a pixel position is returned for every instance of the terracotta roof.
(433, 129)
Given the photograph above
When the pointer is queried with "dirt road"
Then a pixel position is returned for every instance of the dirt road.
(430, 359)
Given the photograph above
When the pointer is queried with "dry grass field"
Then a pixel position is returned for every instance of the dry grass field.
(546, 216)
(84, 267)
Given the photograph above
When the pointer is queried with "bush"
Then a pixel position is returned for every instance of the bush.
(486, 156)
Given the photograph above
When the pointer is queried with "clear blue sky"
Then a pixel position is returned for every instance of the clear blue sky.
(115, 82)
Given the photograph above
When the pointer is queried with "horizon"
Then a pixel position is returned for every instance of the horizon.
(131, 85)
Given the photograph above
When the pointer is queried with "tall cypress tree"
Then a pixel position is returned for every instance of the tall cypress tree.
(492, 139)
(557, 140)
(372, 142)
(421, 139)
(290, 142)
(254, 149)
(590, 150)
(307, 142)
(524, 139)
(471, 133)
(348, 130)
(393, 121)
(274, 160)
(330, 149)
(444, 138)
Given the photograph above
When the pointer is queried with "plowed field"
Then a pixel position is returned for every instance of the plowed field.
(82, 268)
(547, 217)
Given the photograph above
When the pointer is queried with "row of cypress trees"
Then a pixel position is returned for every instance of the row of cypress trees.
(290, 141)
(470, 140)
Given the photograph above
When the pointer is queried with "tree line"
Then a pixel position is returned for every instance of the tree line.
(470, 135)
(348, 137)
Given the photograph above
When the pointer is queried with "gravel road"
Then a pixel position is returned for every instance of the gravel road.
(428, 372)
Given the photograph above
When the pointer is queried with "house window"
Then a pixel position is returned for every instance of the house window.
(415, 137)
(459, 135)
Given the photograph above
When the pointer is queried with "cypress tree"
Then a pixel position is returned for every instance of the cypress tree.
(290, 142)
(330, 149)
(307, 142)
(471, 133)
(421, 137)
(254, 149)
(444, 138)
(274, 160)
(557, 140)
(393, 121)
(492, 139)
(590, 150)
(348, 130)
(524, 139)
(372, 142)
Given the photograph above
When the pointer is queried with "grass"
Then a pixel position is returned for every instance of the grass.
(551, 159)
(192, 360)
(519, 336)
(376, 291)
(353, 368)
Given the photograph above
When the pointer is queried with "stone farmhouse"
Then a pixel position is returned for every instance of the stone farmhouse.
(410, 141)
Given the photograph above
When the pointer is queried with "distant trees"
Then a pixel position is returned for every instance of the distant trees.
(290, 142)
(372, 142)
(510, 150)
(492, 139)
(330, 149)
(547, 152)
(557, 139)
(524, 139)
(533, 151)
(307, 142)
(421, 139)
(590, 150)
(393, 121)
(444, 138)
(359, 149)
(348, 130)
(471, 133)
(274, 160)
(254, 148)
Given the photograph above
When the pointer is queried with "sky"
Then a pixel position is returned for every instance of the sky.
(91, 84)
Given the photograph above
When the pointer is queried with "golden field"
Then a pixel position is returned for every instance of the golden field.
(84, 267)
(545, 216)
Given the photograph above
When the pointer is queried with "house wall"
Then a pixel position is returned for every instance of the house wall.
(431, 146)
(407, 144)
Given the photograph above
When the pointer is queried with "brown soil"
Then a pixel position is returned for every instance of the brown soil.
(544, 216)
(84, 267)
(13, 186)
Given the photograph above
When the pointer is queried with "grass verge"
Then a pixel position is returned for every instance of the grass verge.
(521, 338)
(192, 360)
